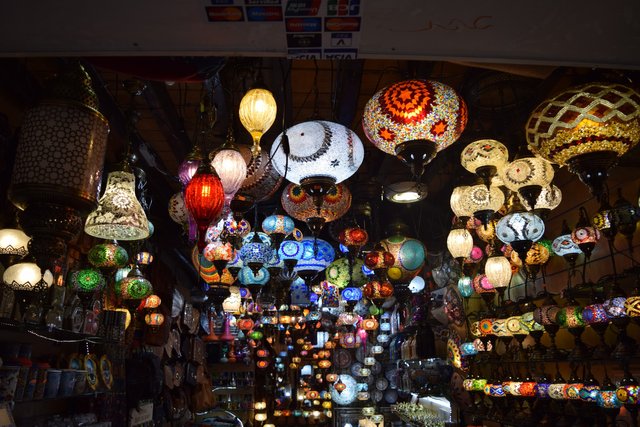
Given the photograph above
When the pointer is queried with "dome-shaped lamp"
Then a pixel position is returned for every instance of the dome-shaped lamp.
(278, 227)
(320, 154)
(498, 272)
(301, 206)
(108, 256)
(564, 246)
(485, 158)
(86, 282)
(204, 198)
(548, 199)
(189, 166)
(26, 280)
(483, 201)
(414, 120)
(584, 234)
(219, 253)
(317, 255)
(13, 245)
(520, 228)
(119, 215)
(230, 167)
(256, 252)
(458, 203)
(257, 113)
(527, 176)
(379, 260)
(290, 251)
(459, 242)
(135, 287)
(353, 238)
(587, 128)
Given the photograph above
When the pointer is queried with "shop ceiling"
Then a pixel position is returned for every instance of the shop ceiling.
(503, 56)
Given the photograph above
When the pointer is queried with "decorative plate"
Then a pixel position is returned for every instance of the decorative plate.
(106, 372)
(343, 358)
(376, 368)
(91, 366)
(76, 362)
(382, 383)
(377, 395)
(355, 369)
(360, 354)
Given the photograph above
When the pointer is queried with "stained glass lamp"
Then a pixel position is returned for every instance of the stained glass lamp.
(204, 198)
(565, 247)
(301, 206)
(483, 201)
(409, 257)
(291, 251)
(414, 120)
(262, 180)
(257, 113)
(549, 199)
(343, 272)
(87, 280)
(587, 128)
(278, 227)
(119, 215)
(527, 176)
(220, 253)
(585, 235)
(230, 168)
(520, 229)
(108, 255)
(458, 203)
(485, 158)
(459, 242)
(464, 286)
(317, 256)
(13, 244)
(135, 286)
(255, 253)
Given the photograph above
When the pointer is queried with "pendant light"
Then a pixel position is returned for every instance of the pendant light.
(257, 113)
(483, 201)
(204, 199)
(459, 242)
(520, 228)
(13, 245)
(549, 198)
(230, 166)
(485, 158)
(527, 176)
(189, 166)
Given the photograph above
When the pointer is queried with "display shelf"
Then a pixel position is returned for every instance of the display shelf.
(47, 333)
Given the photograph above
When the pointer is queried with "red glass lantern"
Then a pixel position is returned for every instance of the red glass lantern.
(379, 259)
(377, 290)
(204, 198)
(353, 237)
(262, 364)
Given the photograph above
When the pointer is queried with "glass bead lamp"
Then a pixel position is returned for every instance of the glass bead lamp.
(255, 253)
(204, 198)
(108, 255)
(586, 128)
(317, 256)
(520, 229)
(135, 286)
(379, 260)
(498, 271)
(459, 242)
(458, 203)
(485, 158)
(409, 257)
(278, 227)
(320, 155)
(26, 280)
(527, 176)
(230, 167)
(119, 215)
(483, 201)
(257, 112)
(414, 120)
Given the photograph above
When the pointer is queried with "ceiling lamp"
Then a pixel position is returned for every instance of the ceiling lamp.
(585, 235)
(108, 255)
(177, 210)
(319, 155)
(26, 279)
(13, 244)
(247, 277)
(483, 201)
(256, 251)
(317, 255)
(343, 273)
(119, 215)
(458, 203)
(230, 167)
(219, 253)
(278, 227)
(405, 192)
(587, 128)
(204, 199)
(459, 242)
(414, 120)
(300, 205)
(262, 180)
(353, 238)
(189, 166)
(527, 176)
(565, 247)
(520, 228)
(379, 260)
(548, 199)
(87, 280)
(257, 113)
(498, 271)
(135, 286)
(409, 257)
(485, 158)
(290, 251)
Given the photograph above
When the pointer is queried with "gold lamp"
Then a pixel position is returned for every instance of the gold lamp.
(257, 113)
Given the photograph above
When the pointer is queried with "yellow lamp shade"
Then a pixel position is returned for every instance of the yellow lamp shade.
(459, 242)
(257, 113)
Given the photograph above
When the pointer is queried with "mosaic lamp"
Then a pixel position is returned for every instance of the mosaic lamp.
(320, 155)
(261, 182)
(353, 238)
(256, 252)
(119, 215)
(587, 128)
(86, 282)
(483, 201)
(204, 197)
(278, 227)
(459, 242)
(414, 120)
(564, 246)
(485, 158)
(317, 256)
(257, 113)
(459, 206)
(409, 257)
(527, 176)
(301, 206)
(13, 245)
(520, 228)
(290, 251)
(135, 286)
(219, 253)
(498, 271)
(548, 199)
(230, 168)
(585, 235)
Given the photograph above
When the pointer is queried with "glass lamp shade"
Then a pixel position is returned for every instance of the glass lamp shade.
(527, 171)
(262, 179)
(353, 237)
(119, 215)
(487, 232)
(13, 242)
(351, 294)
(26, 276)
(570, 317)
(564, 245)
(591, 118)
(520, 226)
(291, 250)
(120, 274)
(278, 224)
(608, 399)
(108, 255)
(318, 149)
(297, 203)
(317, 255)
(208, 271)
(484, 157)
(378, 259)
(498, 271)
(377, 290)
(152, 301)
(218, 251)
(549, 199)
(595, 313)
(481, 284)
(464, 286)
(135, 286)
(204, 199)
(615, 307)
(87, 280)
(409, 257)
(231, 169)
(189, 166)
(414, 110)
(458, 204)
(459, 242)
(417, 284)
(628, 392)
(255, 253)
(154, 319)
(585, 235)
(246, 276)
(232, 303)
(341, 273)
(257, 113)
(538, 254)
(483, 202)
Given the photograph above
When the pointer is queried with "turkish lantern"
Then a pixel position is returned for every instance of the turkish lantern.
(204, 198)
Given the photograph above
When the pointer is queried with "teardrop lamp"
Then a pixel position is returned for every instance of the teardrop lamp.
(414, 120)
(204, 198)
(230, 167)
(257, 113)
(587, 128)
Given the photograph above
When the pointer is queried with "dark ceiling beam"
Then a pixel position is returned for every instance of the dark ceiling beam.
(347, 90)
(167, 118)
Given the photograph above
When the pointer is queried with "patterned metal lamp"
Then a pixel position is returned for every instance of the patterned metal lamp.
(587, 128)
(320, 155)
(13, 245)
(414, 120)
(58, 166)
(26, 280)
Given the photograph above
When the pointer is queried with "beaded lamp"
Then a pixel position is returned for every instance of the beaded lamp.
(301, 206)
(108, 255)
(527, 176)
(483, 201)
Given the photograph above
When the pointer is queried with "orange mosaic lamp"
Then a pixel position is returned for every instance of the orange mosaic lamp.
(414, 120)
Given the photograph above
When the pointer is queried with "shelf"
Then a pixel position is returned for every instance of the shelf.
(233, 391)
(46, 333)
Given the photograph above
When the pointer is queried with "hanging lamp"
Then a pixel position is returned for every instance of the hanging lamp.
(527, 176)
(204, 198)
(257, 112)
(520, 228)
(485, 158)
(229, 165)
